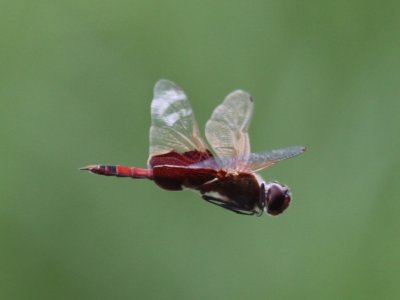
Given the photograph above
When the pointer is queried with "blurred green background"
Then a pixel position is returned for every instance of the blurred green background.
(76, 85)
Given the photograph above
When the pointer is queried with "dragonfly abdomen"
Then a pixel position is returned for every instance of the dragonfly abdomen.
(119, 171)
(175, 178)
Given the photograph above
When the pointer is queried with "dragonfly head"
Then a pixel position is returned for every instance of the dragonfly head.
(277, 198)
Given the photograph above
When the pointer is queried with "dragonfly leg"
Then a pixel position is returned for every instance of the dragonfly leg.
(225, 205)
(213, 200)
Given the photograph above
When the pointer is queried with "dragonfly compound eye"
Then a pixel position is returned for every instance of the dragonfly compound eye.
(277, 198)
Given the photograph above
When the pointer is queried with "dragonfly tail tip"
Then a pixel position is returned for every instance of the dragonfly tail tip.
(87, 168)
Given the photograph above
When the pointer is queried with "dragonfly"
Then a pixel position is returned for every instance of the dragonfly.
(226, 176)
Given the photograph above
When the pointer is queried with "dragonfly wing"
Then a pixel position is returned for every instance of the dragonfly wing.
(253, 163)
(174, 128)
(262, 160)
(227, 129)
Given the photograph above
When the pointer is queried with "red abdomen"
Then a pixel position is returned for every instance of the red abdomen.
(176, 178)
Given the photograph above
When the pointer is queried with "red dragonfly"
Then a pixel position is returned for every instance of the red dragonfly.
(179, 158)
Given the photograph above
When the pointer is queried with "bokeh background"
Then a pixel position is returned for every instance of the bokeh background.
(76, 80)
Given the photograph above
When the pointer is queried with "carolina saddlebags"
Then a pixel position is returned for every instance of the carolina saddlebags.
(179, 158)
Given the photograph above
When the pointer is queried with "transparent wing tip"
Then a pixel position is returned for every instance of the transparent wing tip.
(163, 85)
(285, 153)
(239, 94)
(295, 150)
(301, 148)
